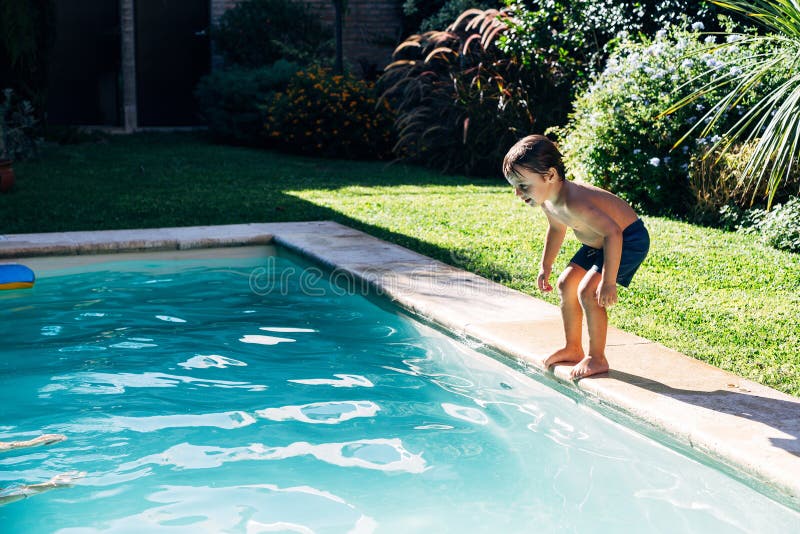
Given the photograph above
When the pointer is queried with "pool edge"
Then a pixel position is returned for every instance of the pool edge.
(743, 425)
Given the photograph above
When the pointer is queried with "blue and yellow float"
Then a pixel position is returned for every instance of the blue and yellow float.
(16, 276)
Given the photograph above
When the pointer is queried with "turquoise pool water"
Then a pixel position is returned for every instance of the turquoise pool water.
(194, 403)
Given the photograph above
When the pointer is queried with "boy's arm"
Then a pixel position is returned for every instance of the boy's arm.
(604, 225)
(553, 240)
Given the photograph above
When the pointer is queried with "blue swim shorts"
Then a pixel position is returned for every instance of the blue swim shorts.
(635, 244)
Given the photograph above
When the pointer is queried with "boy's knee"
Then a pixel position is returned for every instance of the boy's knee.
(586, 294)
(567, 284)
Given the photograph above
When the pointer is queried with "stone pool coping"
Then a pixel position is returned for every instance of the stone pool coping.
(752, 429)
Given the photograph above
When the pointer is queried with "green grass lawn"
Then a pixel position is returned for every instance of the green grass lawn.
(717, 296)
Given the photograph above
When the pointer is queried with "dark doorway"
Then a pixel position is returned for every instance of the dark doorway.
(172, 54)
(84, 64)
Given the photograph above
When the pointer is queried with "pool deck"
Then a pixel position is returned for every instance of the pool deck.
(750, 428)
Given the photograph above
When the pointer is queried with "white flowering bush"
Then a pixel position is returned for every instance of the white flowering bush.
(618, 138)
(563, 43)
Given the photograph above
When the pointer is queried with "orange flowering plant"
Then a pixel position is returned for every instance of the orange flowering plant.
(329, 115)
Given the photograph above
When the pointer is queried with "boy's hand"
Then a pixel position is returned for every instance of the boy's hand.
(606, 294)
(543, 280)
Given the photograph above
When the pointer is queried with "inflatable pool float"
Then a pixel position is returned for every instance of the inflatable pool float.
(15, 276)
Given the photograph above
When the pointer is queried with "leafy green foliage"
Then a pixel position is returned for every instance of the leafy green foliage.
(329, 115)
(568, 40)
(27, 32)
(234, 101)
(618, 137)
(460, 101)
(18, 140)
(256, 33)
(415, 12)
(774, 117)
(422, 15)
(779, 227)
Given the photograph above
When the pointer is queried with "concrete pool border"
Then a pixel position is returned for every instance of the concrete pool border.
(752, 429)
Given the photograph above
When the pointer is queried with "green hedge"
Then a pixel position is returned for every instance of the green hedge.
(234, 101)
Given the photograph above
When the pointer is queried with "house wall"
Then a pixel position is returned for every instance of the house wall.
(372, 29)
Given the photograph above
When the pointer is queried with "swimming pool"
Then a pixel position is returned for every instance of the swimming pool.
(250, 394)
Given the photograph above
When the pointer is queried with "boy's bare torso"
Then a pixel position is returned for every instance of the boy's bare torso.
(567, 210)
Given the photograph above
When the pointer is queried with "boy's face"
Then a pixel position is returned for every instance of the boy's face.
(530, 186)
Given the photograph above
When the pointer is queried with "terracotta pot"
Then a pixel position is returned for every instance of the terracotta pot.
(6, 175)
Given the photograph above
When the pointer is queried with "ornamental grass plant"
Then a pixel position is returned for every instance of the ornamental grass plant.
(460, 101)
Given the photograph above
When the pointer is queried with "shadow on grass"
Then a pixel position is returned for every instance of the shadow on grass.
(147, 181)
(452, 257)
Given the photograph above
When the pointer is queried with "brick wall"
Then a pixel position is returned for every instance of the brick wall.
(371, 29)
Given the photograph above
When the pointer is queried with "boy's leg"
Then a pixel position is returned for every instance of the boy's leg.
(597, 322)
(571, 314)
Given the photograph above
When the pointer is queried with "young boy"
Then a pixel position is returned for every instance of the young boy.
(615, 242)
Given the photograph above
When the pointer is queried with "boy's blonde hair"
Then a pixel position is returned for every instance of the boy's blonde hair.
(536, 153)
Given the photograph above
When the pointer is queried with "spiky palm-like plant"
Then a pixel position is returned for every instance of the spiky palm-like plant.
(773, 122)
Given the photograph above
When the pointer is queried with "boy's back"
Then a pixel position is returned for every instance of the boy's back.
(578, 198)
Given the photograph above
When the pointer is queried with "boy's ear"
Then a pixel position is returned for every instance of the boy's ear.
(552, 174)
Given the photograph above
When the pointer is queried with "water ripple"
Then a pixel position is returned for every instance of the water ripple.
(132, 345)
(377, 454)
(465, 413)
(248, 508)
(51, 330)
(111, 383)
(170, 319)
(202, 361)
(226, 420)
(285, 330)
(265, 340)
(341, 381)
(327, 413)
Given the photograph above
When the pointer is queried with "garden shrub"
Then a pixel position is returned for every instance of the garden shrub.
(566, 42)
(322, 114)
(715, 180)
(570, 38)
(18, 140)
(234, 101)
(424, 15)
(256, 33)
(617, 136)
(778, 228)
(460, 101)
(27, 34)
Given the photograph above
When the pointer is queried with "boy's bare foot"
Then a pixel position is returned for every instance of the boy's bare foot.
(567, 354)
(588, 366)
